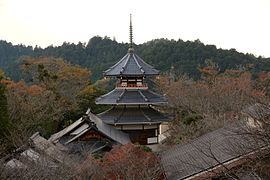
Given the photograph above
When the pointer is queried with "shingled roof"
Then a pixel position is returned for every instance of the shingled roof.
(40, 152)
(82, 125)
(204, 154)
(131, 65)
(132, 115)
(257, 111)
(131, 96)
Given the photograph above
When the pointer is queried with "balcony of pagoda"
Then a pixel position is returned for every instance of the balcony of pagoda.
(131, 86)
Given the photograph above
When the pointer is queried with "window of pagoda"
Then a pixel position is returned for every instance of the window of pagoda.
(131, 82)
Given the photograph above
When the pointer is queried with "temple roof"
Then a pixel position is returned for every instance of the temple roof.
(131, 96)
(257, 111)
(84, 124)
(224, 147)
(131, 65)
(132, 115)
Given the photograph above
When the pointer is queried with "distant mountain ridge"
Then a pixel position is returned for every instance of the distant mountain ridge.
(100, 53)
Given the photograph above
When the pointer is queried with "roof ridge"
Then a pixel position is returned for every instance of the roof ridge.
(144, 61)
(121, 114)
(110, 68)
(140, 67)
(124, 67)
(121, 96)
(147, 117)
(145, 98)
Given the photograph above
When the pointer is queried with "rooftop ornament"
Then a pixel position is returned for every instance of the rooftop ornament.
(130, 49)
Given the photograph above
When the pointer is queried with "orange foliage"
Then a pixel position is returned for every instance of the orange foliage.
(35, 90)
(6, 82)
(225, 93)
(263, 76)
(258, 93)
(21, 87)
(130, 161)
(56, 75)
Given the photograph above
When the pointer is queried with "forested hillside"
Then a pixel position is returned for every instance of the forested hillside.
(211, 89)
(100, 53)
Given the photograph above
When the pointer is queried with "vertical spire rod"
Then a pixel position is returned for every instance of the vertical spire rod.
(130, 36)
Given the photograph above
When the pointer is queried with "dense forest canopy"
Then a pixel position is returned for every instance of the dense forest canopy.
(187, 57)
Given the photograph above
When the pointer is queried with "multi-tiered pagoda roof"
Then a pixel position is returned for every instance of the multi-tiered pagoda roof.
(132, 101)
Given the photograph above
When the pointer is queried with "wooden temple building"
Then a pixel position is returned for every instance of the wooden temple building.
(132, 102)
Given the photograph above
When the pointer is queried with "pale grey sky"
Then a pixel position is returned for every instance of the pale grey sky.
(240, 24)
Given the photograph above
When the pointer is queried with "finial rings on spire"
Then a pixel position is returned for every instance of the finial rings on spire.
(130, 36)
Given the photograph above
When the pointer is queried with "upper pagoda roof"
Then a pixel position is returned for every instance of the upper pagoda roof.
(131, 65)
(131, 96)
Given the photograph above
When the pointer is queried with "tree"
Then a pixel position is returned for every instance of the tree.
(55, 74)
(46, 102)
(4, 119)
(101, 53)
(204, 105)
(130, 162)
(4, 122)
(32, 108)
(86, 98)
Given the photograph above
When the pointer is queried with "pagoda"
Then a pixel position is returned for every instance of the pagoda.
(132, 102)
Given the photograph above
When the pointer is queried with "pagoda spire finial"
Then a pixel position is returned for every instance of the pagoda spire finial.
(130, 49)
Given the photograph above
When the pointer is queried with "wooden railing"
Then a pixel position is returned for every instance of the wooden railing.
(143, 86)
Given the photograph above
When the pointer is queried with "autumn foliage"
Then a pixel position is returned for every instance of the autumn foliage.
(45, 99)
(130, 162)
(214, 100)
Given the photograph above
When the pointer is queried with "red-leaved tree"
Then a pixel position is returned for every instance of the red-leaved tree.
(131, 162)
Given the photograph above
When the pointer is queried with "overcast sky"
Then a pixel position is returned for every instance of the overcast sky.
(240, 24)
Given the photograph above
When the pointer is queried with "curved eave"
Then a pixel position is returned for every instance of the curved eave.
(139, 123)
(131, 65)
(145, 103)
(129, 116)
(130, 75)
(134, 123)
(131, 97)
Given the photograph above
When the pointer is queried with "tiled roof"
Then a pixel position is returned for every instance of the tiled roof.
(208, 151)
(82, 126)
(132, 115)
(39, 151)
(258, 111)
(131, 65)
(110, 131)
(131, 96)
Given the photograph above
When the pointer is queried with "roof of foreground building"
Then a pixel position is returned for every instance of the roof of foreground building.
(224, 147)
(86, 123)
(257, 111)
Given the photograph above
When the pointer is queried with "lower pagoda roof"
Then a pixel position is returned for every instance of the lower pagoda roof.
(131, 96)
(132, 115)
